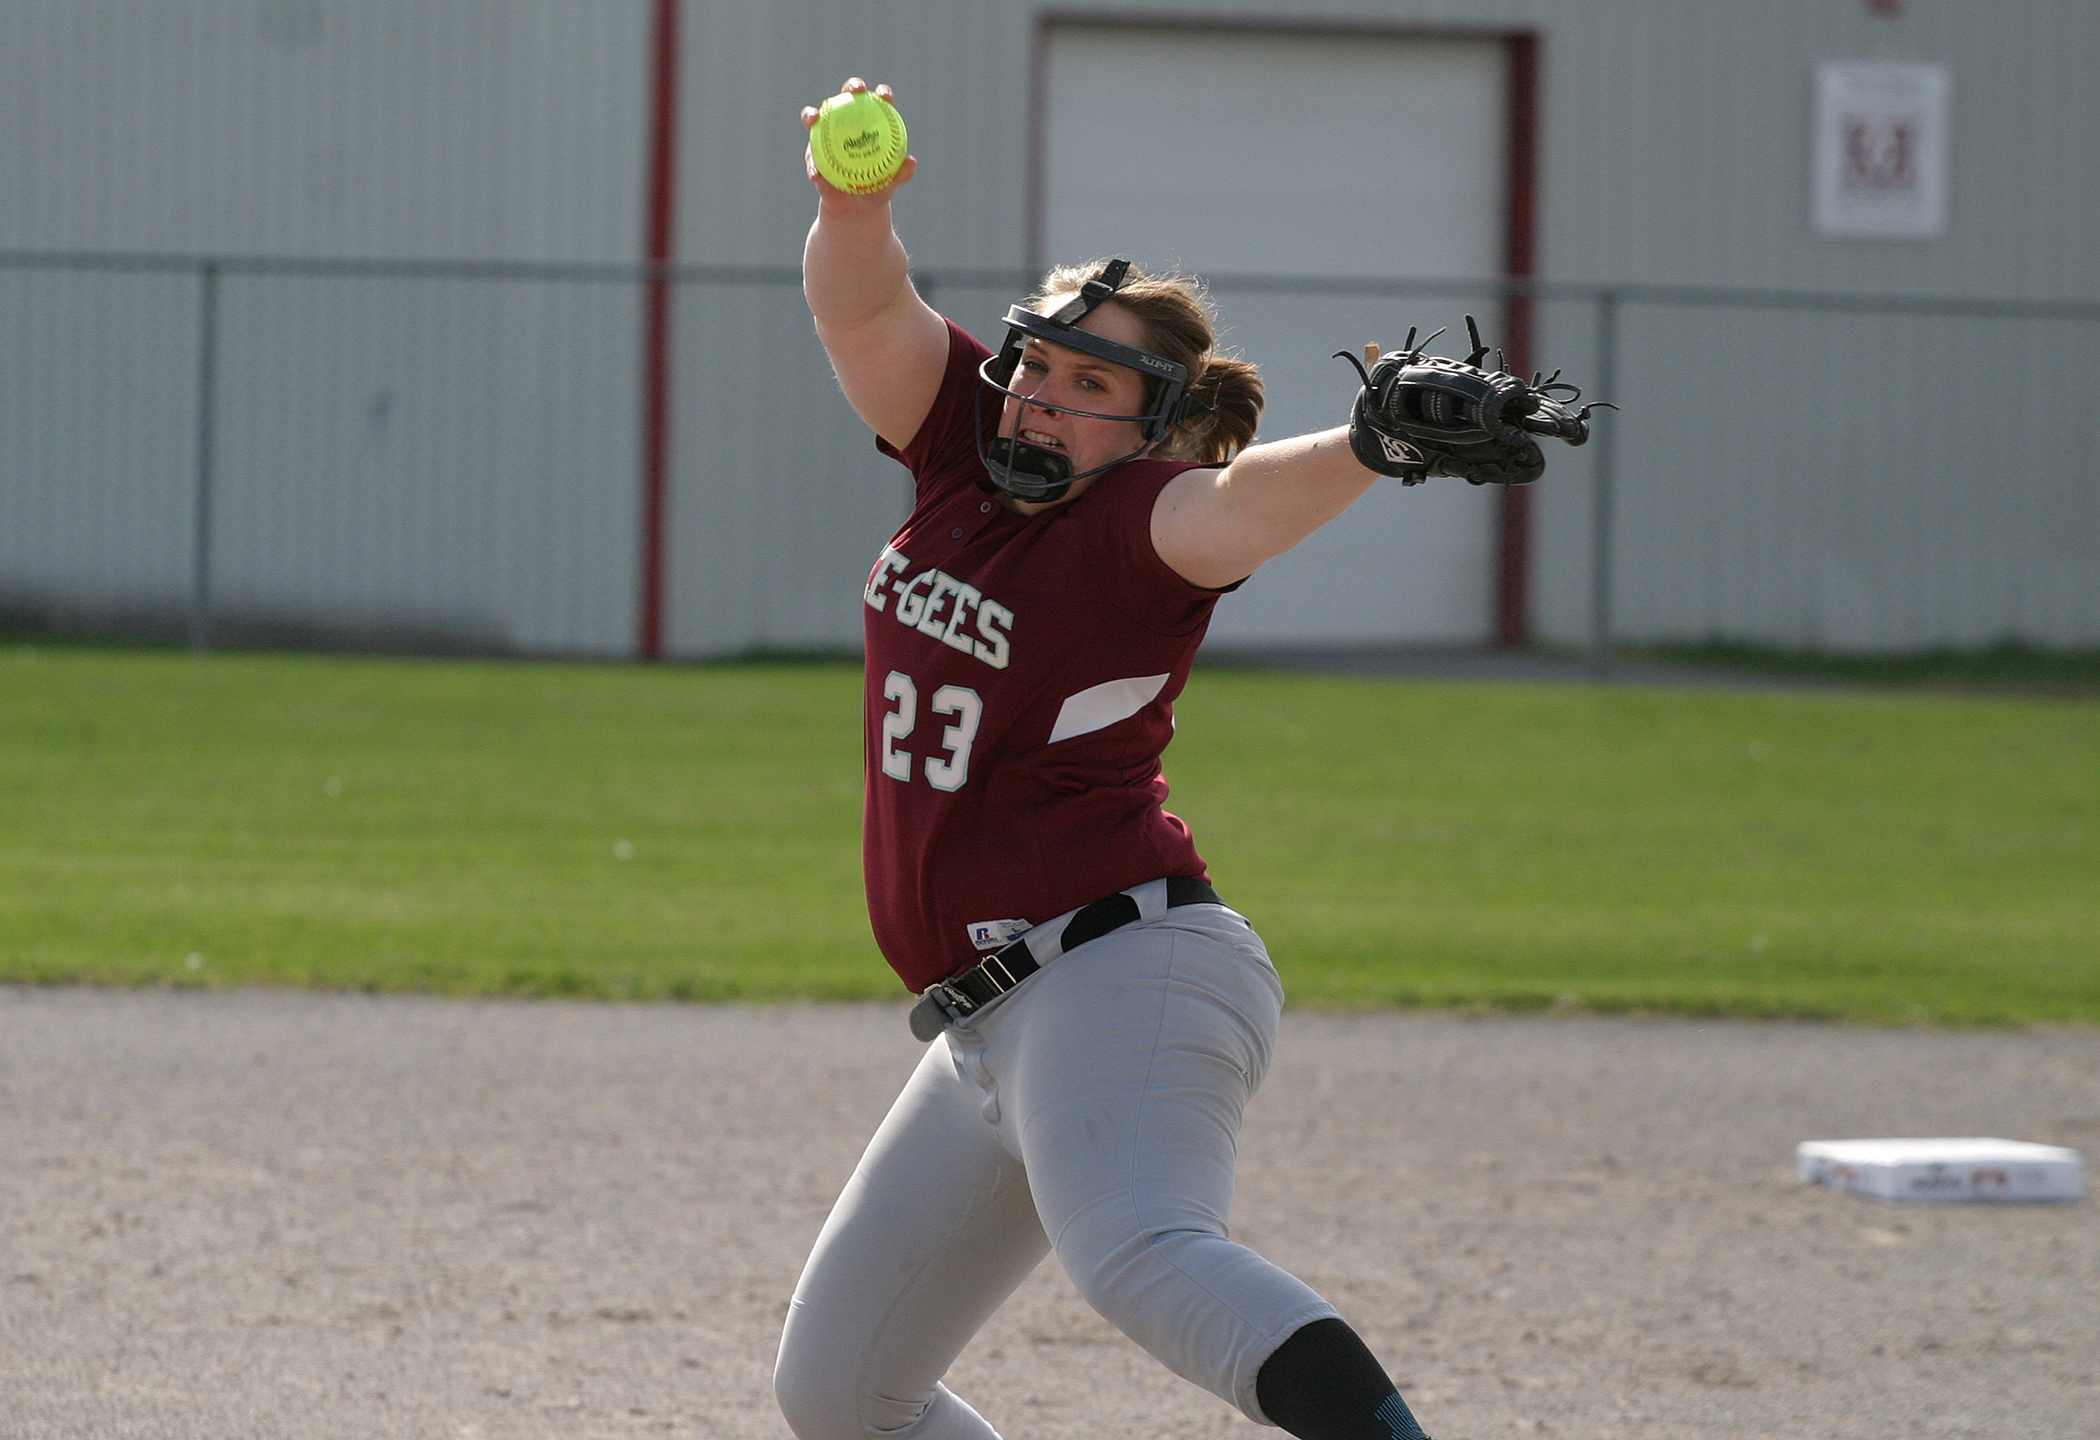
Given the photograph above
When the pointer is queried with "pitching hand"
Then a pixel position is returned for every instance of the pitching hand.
(829, 196)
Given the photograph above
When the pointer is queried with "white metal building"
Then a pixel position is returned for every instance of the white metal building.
(460, 458)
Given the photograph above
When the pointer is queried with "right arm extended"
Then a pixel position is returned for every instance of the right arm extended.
(888, 347)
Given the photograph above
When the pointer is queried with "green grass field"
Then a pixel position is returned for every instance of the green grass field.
(542, 828)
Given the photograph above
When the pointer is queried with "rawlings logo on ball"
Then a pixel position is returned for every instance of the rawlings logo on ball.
(1421, 415)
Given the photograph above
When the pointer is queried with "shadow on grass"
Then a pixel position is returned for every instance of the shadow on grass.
(399, 645)
(562, 984)
(2008, 667)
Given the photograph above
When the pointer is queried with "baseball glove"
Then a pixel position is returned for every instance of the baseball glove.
(1421, 415)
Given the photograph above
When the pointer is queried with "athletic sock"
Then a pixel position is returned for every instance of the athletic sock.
(1324, 1384)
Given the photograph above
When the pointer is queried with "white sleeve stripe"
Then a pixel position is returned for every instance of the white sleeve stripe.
(1100, 706)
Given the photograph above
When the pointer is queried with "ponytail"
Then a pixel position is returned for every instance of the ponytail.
(1230, 392)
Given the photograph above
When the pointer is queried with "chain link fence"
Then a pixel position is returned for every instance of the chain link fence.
(425, 455)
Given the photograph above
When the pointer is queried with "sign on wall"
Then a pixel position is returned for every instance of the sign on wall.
(1880, 162)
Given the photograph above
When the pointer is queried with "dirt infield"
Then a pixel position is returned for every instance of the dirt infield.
(299, 1215)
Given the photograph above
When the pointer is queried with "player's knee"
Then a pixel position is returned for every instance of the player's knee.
(819, 1400)
(800, 1403)
(815, 1401)
(818, 1407)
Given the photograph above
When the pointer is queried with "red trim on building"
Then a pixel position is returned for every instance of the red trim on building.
(1513, 527)
(659, 214)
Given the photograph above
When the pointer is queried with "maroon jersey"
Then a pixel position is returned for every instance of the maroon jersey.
(1020, 685)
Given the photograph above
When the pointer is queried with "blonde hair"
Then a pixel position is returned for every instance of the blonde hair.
(1176, 314)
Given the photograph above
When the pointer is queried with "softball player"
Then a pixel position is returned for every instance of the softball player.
(1098, 1016)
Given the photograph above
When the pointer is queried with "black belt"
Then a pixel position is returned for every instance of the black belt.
(952, 999)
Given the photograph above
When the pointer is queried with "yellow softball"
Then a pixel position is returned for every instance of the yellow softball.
(858, 142)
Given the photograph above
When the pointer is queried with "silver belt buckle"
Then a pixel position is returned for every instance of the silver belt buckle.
(938, 1008)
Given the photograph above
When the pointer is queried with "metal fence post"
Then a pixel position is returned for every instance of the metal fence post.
(207, 382)
(1601, 497)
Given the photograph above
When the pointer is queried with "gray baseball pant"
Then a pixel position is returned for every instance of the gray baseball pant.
(1093, 1110)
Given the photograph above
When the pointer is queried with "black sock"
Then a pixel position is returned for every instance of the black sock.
(1324, 1384)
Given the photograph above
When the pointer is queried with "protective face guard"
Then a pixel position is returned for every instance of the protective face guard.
(1031, 472)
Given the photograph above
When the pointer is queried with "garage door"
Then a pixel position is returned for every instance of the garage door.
(1252, 153)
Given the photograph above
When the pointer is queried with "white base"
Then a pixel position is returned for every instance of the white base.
(1977, 1168)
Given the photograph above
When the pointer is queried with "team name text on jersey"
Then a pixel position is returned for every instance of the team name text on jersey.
(937, 604)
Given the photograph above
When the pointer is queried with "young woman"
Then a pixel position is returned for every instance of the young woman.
(1098, 1017)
